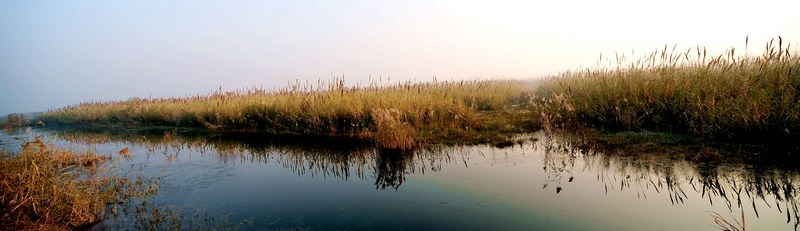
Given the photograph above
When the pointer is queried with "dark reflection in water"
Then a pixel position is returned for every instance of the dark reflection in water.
(391, 168)
(323, 156)
(665, 188)
(737, 187)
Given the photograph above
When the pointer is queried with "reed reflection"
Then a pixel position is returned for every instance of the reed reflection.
(318, 156)
(738, 187)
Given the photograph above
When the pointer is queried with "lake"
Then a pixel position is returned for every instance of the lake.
(278, 182)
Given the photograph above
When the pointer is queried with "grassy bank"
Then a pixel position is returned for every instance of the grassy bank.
(690, 100)
(46, 187)
(398, 116)
(725, 98)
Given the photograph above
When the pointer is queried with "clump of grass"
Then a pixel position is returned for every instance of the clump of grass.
(52, 188)
(725, 98)
(413, 112)
(390, 130)
(12, 121)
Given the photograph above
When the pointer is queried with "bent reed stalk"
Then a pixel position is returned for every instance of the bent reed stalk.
(716, 98)
(398, 116)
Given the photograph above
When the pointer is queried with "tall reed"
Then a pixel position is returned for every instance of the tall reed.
(724, 97)
(13, 120)
(408, 110)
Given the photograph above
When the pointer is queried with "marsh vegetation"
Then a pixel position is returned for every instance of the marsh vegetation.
(674, 105)
(724, 107)
(399, 116)
(741, 104)
(47, 187)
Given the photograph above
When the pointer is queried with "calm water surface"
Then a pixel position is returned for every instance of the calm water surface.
(317, 183)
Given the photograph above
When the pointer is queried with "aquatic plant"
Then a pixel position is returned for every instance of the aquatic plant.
(53, 188)
(725, 98)
(706, 102)
(398, 116)
(13, 120)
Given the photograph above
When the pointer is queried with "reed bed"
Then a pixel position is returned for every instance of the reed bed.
(727, 97)
(730, 98)
(12, 121)
(398, 116)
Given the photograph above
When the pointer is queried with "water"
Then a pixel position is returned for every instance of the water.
(318, 183)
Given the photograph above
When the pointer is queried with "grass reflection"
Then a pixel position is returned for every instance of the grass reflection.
(739, 187)
(318, 156)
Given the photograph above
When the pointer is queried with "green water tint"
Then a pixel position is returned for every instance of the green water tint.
(287, 182)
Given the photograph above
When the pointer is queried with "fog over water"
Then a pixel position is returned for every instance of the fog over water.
(59, 53)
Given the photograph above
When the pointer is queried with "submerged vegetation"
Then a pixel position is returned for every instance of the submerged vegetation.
(690, 101)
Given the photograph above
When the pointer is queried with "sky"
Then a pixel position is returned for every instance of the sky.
(60, 53)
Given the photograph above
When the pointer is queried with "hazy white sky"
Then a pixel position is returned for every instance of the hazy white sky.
(60, 53)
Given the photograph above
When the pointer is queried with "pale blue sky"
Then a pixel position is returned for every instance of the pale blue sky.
(60, 53)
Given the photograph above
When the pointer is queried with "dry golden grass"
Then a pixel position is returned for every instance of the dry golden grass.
(411, 111)
(45, 187)
(724, 97)
(13, 121)
(390, 130)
